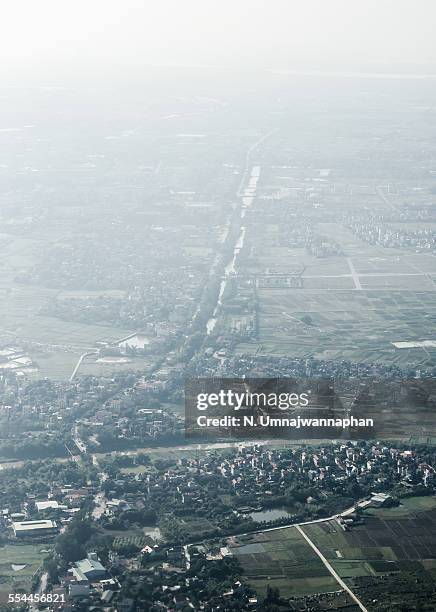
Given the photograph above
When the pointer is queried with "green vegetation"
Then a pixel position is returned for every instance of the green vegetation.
(19, 579)
(392, 547)
(281, 559)
(135, 542)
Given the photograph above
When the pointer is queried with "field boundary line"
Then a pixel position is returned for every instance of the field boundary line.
(331, 570)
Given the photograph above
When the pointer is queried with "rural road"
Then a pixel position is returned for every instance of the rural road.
(79, 363)
(331, 570)
(383, 197)
(346, 512)
(299, 526)
(354, 275)
(40, 590)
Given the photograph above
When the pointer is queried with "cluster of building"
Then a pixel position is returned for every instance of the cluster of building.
(88, 577)
(96, 405)
(156, 281)
(263, 472)
(255, 475)
(264, 366)
(43, 517)
(383, 234)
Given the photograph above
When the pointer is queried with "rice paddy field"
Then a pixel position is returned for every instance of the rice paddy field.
(354, 302)
(281, 559)
(353, 306)
(391, 542)
(391, 535)
(359, 326)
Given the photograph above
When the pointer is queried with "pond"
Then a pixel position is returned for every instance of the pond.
(269, 515)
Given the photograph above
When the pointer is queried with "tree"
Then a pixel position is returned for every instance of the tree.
(51, 567)
(71, 544)
(272, 595)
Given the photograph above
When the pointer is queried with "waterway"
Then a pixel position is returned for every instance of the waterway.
(248, 195)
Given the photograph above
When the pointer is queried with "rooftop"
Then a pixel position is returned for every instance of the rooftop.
(31, 525)
(91, 563)
(45, 505)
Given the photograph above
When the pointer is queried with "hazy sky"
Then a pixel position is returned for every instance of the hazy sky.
(51, 36)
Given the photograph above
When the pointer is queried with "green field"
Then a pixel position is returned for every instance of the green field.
(359, 302)
(14, 580)
(133, 540)
(409, 507)
(355, 325)
(54, 345)
(390, 541)
(281, 559)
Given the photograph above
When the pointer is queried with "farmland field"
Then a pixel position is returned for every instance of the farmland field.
(352, 304)
(356, 325)
(407, 532)
(281, 559)
(133, 540)
(14, 577)
(390, 543)
(53, 344)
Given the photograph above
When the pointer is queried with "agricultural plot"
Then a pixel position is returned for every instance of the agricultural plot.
(357, 325)
(121, 542)
(410, 506)
(53, 344)
(391, 540)
(196, 527)
(18, 564)
(281, 559)
(351, 306)
(93, 365)
(333, 282)
(400, 263)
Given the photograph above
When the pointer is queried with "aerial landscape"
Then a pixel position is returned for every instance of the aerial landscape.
(181, 223)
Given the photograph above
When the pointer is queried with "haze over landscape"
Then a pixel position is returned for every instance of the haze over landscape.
(49, 39)
(198, 196)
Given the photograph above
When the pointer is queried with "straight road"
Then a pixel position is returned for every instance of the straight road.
(368, 275)
(345, 512)
(383, 197)
(331, 570)
(354, 274)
